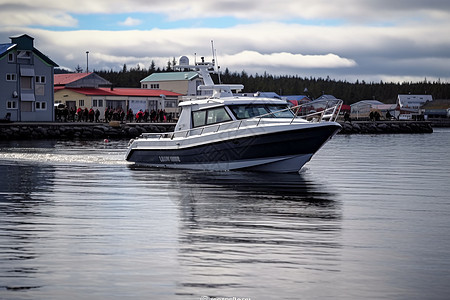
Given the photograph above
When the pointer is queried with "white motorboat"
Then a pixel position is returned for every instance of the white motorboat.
(227, 132)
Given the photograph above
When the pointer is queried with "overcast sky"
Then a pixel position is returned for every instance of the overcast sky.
(371, 40)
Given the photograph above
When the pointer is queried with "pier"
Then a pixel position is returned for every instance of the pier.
(70, 130)
(383, 127)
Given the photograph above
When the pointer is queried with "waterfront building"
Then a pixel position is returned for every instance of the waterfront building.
(26, 81)
(413, 101)
(185, 83)
(89, 90)
(361, 110)
(409, 106)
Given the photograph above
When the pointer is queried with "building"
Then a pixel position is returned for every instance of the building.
(81, 80)
(185, 83)
(413, 101)
(409, 106)
(437, 109)
(26, 81)
(88, 90)
(363, 108)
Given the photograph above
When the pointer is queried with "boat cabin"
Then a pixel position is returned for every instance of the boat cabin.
(200, 113)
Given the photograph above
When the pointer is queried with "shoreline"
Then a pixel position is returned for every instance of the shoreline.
(115, 129)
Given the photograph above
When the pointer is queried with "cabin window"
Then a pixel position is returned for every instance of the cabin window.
(210, 116)
(217, 115)
(280, 111)
(269, 111)
(198, 118)
(10, 57)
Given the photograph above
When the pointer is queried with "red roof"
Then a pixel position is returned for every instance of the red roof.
(119, 92)
(63, 79)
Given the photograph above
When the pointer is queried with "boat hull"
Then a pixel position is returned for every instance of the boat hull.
(280, 152)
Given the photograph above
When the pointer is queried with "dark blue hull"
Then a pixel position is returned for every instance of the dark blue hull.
(299, 142)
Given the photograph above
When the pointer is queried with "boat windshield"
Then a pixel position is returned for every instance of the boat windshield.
(255, 110)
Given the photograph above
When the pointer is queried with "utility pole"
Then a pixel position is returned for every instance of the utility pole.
(87, 61)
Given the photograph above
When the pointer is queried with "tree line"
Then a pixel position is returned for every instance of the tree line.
(350, 92)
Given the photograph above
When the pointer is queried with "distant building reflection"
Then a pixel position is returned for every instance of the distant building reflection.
(21, 211)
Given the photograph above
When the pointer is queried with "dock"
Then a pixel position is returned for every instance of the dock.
(117, 130)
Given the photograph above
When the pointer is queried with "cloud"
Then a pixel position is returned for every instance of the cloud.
(351, 39)
(130, 22)
(353, 11)
(17, 15)
(254, 59)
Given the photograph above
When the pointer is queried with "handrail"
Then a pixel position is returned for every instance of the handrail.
(327, 114)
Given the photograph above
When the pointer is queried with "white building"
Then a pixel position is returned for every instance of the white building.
(413, 101)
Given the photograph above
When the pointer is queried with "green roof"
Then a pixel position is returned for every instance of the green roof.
(170, 76)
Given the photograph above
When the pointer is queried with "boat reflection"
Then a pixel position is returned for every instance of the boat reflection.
(237, 228)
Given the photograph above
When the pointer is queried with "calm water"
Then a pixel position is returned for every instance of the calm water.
(367, 218)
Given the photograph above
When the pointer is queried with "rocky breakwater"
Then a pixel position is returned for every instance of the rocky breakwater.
(381, 127)
(15, 131)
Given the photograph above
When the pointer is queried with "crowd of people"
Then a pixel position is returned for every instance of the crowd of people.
(90, 115)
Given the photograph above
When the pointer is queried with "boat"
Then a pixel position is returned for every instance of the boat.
(222, 131)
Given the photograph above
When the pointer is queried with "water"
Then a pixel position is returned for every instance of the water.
(367, 218)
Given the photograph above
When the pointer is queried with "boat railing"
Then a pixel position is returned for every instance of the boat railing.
(313, 112)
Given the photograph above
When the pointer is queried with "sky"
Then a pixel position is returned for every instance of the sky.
(365, 40)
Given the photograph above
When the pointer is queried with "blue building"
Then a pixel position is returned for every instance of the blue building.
(26, 82)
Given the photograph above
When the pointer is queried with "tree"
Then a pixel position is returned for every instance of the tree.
(152, 67)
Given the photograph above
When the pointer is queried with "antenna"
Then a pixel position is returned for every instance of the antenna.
(214, 61)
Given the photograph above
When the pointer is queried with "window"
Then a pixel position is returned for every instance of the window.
(25, 83)
(154, 86)
(10, 57)
(255, 110)
(80, 103)
(210, 116)
(100, 102)
(11, 77)
(94, 102)
(198, 118)
(24, 54)
(39, 90)
(170, 103)
(40, 79)
(40, 105)
(217, 115)
(11, 105)
(144, 86)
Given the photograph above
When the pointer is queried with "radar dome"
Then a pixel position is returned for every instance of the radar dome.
(184, 61)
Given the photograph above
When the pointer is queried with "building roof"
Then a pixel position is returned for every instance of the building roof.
(170, 76)
(63, 79)
(413, 100)
(130, 92)
(326, 97)
(5, 48)
(367, 102)
(81, 80)
(437, 104)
